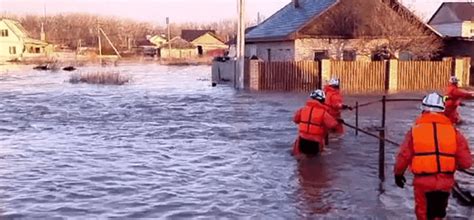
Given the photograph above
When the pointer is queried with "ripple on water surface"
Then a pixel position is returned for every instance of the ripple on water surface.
(171, 146)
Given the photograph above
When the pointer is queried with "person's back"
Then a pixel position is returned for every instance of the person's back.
(334, 101)
(434, 149)
(313, 121)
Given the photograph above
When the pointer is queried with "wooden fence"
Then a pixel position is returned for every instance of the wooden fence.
(360, 77)
(423, 75)
(356, 76)
(300, 76)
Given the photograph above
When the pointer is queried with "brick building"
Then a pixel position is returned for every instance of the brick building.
(297, 31)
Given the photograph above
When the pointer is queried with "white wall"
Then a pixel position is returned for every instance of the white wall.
(281, 51)
(7, 42)
(450, 30)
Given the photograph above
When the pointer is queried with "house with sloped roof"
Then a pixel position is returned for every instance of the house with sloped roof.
(341, 30)
(177, 48)
(455, 21)
(206, 41)
(16, 43)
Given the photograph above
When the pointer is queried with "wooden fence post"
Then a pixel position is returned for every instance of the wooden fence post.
(357, 118)
(459, 71)
(453, 66)
(393, 76)
(325, 71)
(387, 75)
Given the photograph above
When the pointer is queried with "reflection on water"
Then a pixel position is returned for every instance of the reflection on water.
(171, 146)
(314, 180)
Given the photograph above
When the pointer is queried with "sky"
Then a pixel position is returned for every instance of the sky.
(156, 11)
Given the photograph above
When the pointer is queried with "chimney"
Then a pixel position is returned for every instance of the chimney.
(42, 34)
(296, 3)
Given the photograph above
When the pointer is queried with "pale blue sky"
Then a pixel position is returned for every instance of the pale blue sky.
(178, 10)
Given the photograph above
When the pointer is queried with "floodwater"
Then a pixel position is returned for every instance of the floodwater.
(170, 146)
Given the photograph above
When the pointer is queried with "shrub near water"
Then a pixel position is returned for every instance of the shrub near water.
(103, 78)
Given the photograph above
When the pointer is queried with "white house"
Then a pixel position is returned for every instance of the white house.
(16, 44)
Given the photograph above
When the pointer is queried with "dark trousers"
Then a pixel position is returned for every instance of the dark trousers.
(436, 204)
(308, 147)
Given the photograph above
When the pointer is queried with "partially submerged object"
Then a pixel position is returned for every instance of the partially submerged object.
(45, 67)
(103, 78)
(41, 67)
(69, 68)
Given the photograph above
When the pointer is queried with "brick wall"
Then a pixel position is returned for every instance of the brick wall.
(335, 47)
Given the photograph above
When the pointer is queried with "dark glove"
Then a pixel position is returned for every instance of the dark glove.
(345, 107)
(400, 181)
(340, 120)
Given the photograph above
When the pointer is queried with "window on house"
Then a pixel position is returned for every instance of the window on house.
(349, 55)
(269, 55)
(37, 50)
(12, 50)
(321, 55)
(406, 56)
(4, 33)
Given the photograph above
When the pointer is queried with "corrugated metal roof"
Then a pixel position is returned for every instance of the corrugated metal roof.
(289, 19)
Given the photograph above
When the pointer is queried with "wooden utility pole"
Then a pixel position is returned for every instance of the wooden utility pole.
(100, 43)
(239, 82)
(110, 42)
(169, 36)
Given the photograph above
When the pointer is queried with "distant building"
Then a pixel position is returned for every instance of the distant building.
(177, 48)
(205, 41)
(454, 19)
(157, 40)
(16, 44)
(146, 47)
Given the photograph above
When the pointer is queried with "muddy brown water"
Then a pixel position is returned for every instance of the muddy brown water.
(170, 146)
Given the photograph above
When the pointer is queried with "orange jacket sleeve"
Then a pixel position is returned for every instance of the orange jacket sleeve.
(336, 102)
(297, 117)
(329, 121)
(461, 93)
(463, 154)
(405, 155)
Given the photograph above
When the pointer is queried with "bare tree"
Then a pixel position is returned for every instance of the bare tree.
(386, 20)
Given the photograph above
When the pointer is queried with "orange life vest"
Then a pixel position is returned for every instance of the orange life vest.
(434, 143)
(312, 120)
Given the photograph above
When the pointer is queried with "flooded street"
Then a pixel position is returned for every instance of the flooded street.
(169, 145)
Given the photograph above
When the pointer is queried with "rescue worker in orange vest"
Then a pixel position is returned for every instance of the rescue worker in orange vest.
(434, 149)
(455, 96)
(313, 121)
(335, 102)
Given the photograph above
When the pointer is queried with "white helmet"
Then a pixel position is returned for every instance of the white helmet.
(453, 80)
(334, 82)
(433, 102)
(318, 95)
